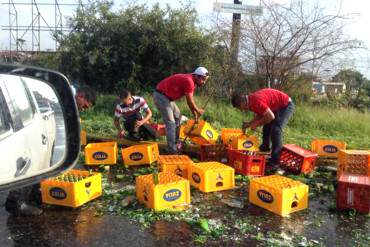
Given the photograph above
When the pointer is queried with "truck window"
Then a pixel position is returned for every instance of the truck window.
(20, 99)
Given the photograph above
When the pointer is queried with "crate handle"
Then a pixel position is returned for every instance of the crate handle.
(219, 184)
(181, 205)
(88, 184)
(256, 160)
(294, 204)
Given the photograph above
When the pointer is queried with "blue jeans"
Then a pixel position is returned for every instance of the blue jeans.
(273, 132)
(171, 116)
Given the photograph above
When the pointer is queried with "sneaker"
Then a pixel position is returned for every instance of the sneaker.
(29, 210)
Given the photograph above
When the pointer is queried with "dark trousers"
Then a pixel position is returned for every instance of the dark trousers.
(145, 131)
(273, 132)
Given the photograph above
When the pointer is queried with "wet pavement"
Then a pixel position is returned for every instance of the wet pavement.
(319, 225)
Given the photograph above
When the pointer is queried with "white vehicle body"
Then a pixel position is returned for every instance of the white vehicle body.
(27, 127)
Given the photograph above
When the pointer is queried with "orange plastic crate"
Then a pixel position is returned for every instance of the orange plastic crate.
(327, 148)
(227, 135)
(171, 193)
(101, 153)
(71, 194)
(201, 132)
(354, 162)
(211, 176)
(244, 142)
(278, 194)
(177, 164)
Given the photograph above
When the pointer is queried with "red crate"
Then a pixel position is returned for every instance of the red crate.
(243, 163)
(214, 152)
(353, 192)
(297, 160)
(160, 128)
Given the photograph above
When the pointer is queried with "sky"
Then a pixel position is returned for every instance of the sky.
(357, 29)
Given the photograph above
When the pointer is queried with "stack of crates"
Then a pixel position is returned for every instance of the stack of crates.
(143, 154)
(104, 153)
(246, 162)
(201, 132)
(214, 152)
(297, 160)
(211, 176)
(177, 164)
(353, 173)
(245, 142)
(228, 134)
(171, 192)
(278, 194)
(71, 189)
(327, 148)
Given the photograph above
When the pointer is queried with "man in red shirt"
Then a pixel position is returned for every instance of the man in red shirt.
(272, 109)
(171, 89)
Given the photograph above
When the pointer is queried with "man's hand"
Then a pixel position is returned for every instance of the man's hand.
(139, 123)
(245, 126)
(200, 111)
(121, 134)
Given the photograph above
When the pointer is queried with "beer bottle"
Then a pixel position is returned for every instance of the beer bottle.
(155, 177)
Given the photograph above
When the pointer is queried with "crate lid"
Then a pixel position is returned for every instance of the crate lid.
(277, 182)
(212, 165)
(299, 150)
(174, 159)
(354, 179)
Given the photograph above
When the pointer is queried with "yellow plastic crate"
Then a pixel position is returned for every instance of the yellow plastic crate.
(101, 153)
(72, 194)
(171, 193)
(211, 176)
(327, 148)
(353, 162)
(227, 134)
(83, 137)
(177, 164)
(143, 154)
(182, 133)
(278, 194)
(201, 133)
(244, 142)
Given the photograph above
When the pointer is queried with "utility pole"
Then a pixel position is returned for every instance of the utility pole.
(235, 36)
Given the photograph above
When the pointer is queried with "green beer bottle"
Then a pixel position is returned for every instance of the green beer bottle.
(155, 177)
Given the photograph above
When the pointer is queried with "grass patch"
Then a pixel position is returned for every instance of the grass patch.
(308, 121)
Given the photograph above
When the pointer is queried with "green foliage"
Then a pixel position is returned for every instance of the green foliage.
(308, 121)
(134, 48)
(352, 78)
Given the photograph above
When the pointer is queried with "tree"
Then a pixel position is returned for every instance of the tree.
(284, 40)
(133, 48)
(353, 79)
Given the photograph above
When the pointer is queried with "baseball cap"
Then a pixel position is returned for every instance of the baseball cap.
(201, 71)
